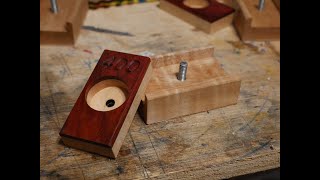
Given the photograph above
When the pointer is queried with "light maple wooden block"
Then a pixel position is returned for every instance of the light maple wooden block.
(62, 28)
(252, 24)
(207, 86)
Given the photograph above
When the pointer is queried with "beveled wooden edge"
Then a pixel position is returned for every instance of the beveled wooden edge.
(86, 146)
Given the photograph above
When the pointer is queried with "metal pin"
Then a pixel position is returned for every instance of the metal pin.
(261, 5)
(182, 76)
(54, 6)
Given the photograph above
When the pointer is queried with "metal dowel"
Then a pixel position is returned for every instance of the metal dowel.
(54, 6)
(182, 76)
(261, 5)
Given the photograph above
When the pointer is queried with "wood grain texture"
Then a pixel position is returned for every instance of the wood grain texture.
(207, 86)
(62, 28)
(209, 19)
(221, 143)
(253, 24)
(107, 129)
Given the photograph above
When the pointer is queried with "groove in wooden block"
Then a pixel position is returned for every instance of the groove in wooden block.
(252, 24)
(210, 19)
(64, 27)
(207, 86)
(102, 115)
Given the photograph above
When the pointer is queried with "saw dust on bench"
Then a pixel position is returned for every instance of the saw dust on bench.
(220, 143)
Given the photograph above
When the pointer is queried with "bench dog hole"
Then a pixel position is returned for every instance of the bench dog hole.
(110, 103)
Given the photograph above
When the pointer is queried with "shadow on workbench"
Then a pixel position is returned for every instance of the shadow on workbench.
(264, 175)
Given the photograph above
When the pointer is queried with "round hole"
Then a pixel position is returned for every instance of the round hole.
(110, 103)
(196, 4)
(107, 95)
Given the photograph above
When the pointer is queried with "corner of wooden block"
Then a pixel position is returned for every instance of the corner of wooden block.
(242, 25)
(221, 23)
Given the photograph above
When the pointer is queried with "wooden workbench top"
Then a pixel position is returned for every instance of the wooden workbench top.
(222, 143)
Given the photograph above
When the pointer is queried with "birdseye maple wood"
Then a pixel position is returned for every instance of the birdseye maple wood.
(64, 27)
(209, 16)
(207, 86)
(252, 24)
(101, 117)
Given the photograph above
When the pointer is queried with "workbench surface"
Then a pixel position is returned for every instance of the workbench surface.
(221, 143)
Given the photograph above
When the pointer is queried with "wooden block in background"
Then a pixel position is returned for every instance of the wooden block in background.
(252, 24)
(62, 28)
(209, 19)
(207, 86)
(102, 115)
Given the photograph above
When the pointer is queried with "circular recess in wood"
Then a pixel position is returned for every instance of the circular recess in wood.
(107, 95)
(196, 4)
(225, 2)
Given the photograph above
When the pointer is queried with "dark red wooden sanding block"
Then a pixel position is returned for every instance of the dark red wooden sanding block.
(213, 12)
(208, 15)
(102, 115)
